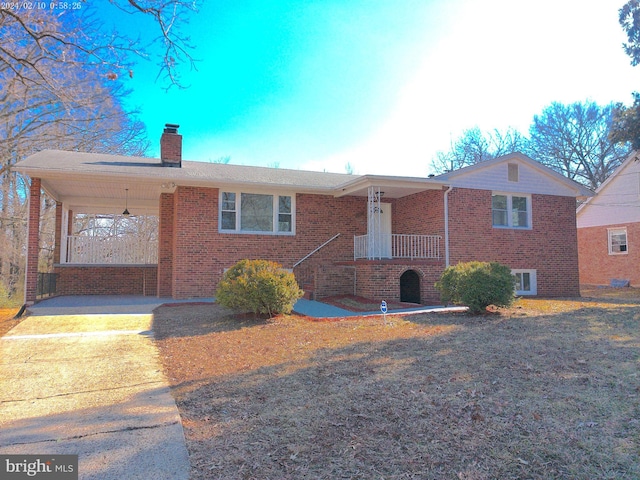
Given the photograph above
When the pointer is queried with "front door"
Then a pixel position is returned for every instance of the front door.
(383, 246)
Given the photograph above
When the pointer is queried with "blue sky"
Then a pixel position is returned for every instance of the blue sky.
(379, 84)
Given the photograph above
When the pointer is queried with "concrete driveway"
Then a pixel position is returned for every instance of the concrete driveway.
(91, 384)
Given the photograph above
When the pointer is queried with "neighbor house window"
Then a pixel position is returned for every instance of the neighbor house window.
(526, 282)
(256, 213)
(617, 241)
(511, 211)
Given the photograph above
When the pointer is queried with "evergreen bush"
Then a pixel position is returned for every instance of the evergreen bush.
(477, 285)
(259, 286)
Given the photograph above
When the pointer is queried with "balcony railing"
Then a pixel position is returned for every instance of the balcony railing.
(397, 246)
(82, 249)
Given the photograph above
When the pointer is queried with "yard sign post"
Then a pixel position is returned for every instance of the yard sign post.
(383, 309)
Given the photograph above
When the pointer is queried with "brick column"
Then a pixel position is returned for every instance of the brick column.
(165, 245)
(58, 234)
(33, 243)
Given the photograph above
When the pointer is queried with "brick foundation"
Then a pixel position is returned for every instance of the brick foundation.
(380, 279)
(106, 279)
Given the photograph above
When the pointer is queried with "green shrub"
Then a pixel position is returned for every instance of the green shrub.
(259, 286)
(477, 285)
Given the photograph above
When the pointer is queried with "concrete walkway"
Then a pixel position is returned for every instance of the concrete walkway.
(315, 309)
(82, 376)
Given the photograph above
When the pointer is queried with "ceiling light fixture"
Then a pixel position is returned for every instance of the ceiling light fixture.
(126, 203)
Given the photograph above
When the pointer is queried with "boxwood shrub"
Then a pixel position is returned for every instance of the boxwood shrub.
(477, 285)
(258, 286)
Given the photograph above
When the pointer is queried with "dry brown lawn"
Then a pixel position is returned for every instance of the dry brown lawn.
(547, 389)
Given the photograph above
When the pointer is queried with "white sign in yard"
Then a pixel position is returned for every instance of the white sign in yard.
(383, 307)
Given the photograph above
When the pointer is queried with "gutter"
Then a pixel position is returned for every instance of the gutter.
(446, 226)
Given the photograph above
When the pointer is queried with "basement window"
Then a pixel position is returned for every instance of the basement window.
(243, 212)
(526, 282)
(617, 241)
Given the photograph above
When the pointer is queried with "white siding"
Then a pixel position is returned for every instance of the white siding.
(495, 177)
(618, 201)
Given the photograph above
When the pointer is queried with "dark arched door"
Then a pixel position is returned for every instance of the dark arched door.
(410, 287)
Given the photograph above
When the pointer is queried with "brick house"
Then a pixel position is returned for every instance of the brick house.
(609, 228)
(375, 236)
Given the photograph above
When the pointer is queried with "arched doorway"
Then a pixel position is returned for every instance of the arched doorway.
(410, 287)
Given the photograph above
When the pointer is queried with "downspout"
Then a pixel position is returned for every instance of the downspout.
(446, 226)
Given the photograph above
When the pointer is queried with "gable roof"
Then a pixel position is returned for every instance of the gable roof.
(534, 177)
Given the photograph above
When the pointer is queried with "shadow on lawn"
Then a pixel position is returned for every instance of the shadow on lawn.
(189, 320)
(554, 396)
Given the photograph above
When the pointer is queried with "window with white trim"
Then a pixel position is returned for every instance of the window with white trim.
(511, 210)
(244, 212)
(526, 282)
(617, 241)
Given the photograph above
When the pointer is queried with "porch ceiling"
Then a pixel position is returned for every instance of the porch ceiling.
(100, 195)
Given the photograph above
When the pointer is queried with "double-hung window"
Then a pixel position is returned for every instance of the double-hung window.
(511, 210)
(244, 212)
(617, 241)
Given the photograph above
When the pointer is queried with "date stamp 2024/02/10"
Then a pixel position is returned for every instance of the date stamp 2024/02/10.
(26, 5)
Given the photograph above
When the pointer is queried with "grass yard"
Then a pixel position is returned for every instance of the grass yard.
(544, 390)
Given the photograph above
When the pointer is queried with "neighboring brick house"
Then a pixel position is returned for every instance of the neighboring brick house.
(609, 228)
(375, 236)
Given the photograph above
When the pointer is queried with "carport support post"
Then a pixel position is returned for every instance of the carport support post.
(58, 234)
(33, 243)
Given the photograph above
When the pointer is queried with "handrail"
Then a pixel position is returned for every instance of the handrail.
(325, 243)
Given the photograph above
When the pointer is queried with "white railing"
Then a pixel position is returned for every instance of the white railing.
(397, 246)
(82, 249)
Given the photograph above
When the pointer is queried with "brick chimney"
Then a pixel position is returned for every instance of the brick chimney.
(171, 146)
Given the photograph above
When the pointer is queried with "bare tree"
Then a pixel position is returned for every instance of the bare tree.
(573, 140)
(475, 146)
(36, 42)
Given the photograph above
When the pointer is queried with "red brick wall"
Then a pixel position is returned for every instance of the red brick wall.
(420, 214)
(33, 242)
(165, 245)
(201, 253)
(106, 280)
(597, 267)
(550, 246)
(381, 279)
